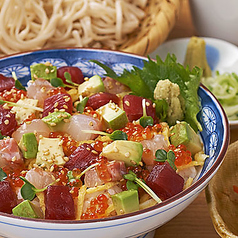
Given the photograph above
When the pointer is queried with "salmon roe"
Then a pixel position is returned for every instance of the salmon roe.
(12, 95)
(90, 112)
(97, 208)
(136, 132)
(182, 155)
(14, 177)
(102, 170)
(69, 144)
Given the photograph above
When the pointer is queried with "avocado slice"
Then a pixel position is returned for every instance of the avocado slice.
(55, 118)
(113, 116)
(126, 201)
(27, 209)
(91, 86)
(43, 71)
(28, 145)
(128, 151)
(182, 133)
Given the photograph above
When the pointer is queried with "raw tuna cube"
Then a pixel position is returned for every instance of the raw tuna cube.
(8, 198)
(82, 157)
(6, 83)
(132, 105)
(99, 99)
(59, 203)
(58, 102)
(164, 181)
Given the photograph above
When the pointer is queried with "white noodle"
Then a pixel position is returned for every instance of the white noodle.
(35, 24)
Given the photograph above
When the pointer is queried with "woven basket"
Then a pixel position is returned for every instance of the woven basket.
(159, 21)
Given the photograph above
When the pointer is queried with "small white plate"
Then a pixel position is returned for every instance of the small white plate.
(222, 56)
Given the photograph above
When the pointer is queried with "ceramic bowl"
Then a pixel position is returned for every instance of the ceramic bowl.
(215, 136)
(222, 56)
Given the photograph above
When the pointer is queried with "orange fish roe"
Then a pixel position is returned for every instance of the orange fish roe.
(13, 95)
(56, 91)
(102, 170)
(69, 144)
(98, 145)
(61, 174)
(90, 112)
(13, 177)
(183, 156)
(136, 132)
(97, 208)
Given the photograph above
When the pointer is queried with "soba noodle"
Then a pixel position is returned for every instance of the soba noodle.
(35, 24)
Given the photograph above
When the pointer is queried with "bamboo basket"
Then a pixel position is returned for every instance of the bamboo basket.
(160, 19)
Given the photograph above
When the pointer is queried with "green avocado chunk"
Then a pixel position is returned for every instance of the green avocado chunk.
(128, 151)
(91, 86)
(182, 133)
(55, 118)
(43, 71)
(28, 145)
(126, 201)
(113, 116)
(27, 209)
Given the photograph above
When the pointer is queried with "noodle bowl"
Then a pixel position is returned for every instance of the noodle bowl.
(35, 24)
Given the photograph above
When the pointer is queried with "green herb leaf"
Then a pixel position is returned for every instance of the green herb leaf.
(81, 105)
(146, 121)
(130, 185)
(68, 79)
(18, 84)
(57, 82)
(3, 175)
(131, 177)
(27, 189)
(161, 155)
(171, 158)
(118, 135)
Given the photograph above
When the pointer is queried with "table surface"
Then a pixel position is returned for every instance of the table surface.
(195, 220)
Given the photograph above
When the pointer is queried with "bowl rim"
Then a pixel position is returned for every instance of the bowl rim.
(169, 201)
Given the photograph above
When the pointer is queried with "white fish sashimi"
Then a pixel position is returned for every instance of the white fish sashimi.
(10, 155)
(150, 146)
(39, 89)
(80, 122)
(36, 126)
(39, 178)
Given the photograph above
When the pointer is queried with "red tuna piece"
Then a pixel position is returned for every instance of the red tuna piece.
(75, 73)
(59, 203)
(82, 157)
(58, 101)
(6, 83)
(8, 123)
(164, 181)
(99, 99)
(132, 105)
(10, 155)
(8, 198)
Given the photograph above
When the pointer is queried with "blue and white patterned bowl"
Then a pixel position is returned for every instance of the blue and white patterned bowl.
(215, 136)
